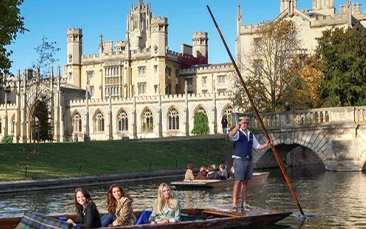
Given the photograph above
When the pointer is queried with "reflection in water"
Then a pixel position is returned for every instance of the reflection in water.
(330, 199)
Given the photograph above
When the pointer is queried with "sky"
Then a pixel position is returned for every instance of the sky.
(52, 18)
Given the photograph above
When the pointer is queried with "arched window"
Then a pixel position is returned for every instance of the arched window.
(77, 123)
(173, 119)
(200, 109)
(122, 121)
(99, 122)
(147, 121)
(227, 112)
(12, 130)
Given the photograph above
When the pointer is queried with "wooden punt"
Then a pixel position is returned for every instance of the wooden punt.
(257, 178)
(199, 218)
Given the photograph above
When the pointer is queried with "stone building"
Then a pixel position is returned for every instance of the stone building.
(310, 23)
(134, 88)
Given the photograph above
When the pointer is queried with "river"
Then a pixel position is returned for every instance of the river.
(329, 199)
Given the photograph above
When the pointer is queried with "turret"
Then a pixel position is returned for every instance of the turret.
(159, 36)
(200, 44)
(138, 26)
(74, 52)
(325, 7)
(74, 45)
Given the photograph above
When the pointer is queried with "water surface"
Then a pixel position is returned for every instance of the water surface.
(330, 199)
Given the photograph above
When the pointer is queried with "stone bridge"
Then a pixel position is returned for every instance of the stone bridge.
(334, 136)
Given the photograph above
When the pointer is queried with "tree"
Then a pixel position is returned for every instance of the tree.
(46, 56)
(303, 90)
(269, 66)
(341, 56)
(200, 125)
(10, 24)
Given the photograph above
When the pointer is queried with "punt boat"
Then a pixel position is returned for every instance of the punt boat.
(193, 218)
(210, 183)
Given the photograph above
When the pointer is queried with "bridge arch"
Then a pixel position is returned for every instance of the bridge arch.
(286, 141)
(337, 134)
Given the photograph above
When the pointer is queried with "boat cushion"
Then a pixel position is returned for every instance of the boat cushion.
(31, 220)
(22, 225)
(144, 217)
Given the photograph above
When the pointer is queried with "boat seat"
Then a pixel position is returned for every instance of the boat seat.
(144, 217)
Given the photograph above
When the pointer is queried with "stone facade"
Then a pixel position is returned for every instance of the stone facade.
(310, 23)
(133, 88)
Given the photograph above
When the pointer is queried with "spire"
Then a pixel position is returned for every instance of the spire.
(349, 12)
(239, 20)
(101, 43)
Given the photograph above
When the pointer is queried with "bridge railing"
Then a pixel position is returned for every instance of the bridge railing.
(311, 118)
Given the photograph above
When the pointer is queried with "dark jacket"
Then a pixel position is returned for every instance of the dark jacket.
(202, 175)
(243, 146)
(89, 218)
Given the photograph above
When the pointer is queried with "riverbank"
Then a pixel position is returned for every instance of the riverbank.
(85, 181)
(28, 167)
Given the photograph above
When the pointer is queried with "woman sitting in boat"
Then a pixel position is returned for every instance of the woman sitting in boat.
(120, 212)
(222, 172)
(189, 173)
(88, 214)
(202, 175)
(166, 208)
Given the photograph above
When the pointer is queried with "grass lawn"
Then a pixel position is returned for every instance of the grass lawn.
(50, 160)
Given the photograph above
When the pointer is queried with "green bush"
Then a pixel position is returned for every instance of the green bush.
(7, 139)
(200, 126)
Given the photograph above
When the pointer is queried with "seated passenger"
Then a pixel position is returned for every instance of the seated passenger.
(212, 173)
(120, 212)
(189, 173)
(166, 208)
(222, 172)
(88, 214)
(202, 175)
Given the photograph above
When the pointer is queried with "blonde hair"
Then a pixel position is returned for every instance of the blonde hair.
(171, 202)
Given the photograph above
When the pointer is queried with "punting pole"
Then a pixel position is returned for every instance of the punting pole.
(257, 114)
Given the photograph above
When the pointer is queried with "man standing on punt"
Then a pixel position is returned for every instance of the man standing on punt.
(243, 164)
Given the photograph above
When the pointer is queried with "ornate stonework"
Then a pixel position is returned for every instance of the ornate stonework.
(133, 88)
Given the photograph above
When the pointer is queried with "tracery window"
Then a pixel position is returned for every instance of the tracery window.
(221, 80)
(122, 121)
(147, 121)
(228, 113)
(142, 71)
(99, 122)
(142, 88)
(201, 109)
(173, 119)
(77, 123)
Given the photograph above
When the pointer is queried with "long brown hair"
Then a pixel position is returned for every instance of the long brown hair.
(78, 207)
(111, 201)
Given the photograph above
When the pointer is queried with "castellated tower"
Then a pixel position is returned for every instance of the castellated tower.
(74, 52)
(287, 4)
(138, 26)
(200, 44)
(159, 36)
(325, 7)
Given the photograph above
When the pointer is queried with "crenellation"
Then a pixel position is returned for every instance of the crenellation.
(90, 57)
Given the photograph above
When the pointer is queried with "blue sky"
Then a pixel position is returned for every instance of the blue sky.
(52, 18)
